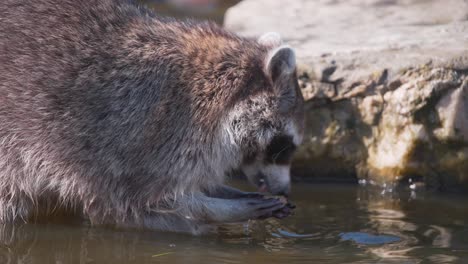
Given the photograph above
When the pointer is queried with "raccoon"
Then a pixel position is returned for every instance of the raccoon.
(134, 120)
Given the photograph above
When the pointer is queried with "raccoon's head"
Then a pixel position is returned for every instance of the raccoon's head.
(268, 124)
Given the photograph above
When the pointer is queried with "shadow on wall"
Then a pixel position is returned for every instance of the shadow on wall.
(198, 9)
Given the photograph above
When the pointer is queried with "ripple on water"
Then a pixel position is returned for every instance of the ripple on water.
(369, 239)
(332, 224)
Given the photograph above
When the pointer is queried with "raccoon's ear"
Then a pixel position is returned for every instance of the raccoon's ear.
(281, 62)
(281, 67)
(270, 40)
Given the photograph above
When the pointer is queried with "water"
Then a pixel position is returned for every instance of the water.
(332, 224)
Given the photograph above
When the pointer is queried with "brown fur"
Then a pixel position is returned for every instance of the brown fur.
(109, 109)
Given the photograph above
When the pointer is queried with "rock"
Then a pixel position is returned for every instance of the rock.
(452, 110)
(386, 84)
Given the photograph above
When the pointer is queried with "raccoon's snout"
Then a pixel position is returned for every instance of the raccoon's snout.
(271, 178)
(256, 178)
(277, 179)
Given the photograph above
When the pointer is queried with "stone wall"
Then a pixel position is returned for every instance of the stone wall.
(386, 84)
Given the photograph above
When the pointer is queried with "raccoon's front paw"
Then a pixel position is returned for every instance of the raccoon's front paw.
(252, 195)
(284, 212)
(261, 208)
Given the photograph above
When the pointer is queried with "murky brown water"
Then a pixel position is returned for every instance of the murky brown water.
(333, 224)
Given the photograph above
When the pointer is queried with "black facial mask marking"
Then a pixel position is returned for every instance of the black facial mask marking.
(280, 150)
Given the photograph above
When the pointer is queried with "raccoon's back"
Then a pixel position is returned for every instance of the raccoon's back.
(72, 77)
(44, 44)
(40, 40)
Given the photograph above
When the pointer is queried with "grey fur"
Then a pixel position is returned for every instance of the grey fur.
(130, 119)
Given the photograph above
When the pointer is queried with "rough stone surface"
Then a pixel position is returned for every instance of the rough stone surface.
(386, 84)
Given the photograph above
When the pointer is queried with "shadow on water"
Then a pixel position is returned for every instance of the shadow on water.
(332, 224)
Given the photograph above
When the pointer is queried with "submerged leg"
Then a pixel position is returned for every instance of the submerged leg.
(199, 214)
(172, 222)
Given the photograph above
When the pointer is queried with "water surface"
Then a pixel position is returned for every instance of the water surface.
(332, 224)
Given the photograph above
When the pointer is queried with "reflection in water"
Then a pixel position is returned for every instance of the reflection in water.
(428, 229)
(405, 215)
(416, 227)
(443, 236)
(369, 239)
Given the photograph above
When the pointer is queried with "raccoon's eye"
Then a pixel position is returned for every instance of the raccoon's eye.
(280, 150)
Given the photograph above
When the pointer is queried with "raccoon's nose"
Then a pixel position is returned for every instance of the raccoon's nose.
(277, 179)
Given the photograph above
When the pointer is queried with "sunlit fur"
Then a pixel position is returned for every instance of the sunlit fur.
(122, 116)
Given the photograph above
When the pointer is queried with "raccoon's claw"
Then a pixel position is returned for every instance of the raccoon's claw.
(284, 212)
(264, 208)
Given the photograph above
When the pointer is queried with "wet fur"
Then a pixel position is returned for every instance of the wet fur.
(126, 117)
